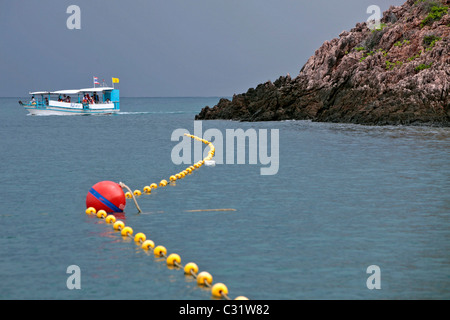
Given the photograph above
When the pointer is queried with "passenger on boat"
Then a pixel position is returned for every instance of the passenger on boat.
(95, 97)
(33, 100)
(46, 101)
(68, 99)
(60, 98)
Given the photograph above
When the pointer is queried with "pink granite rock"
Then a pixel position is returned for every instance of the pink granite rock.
(397, 75)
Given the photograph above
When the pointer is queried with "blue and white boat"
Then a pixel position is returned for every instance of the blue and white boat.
(96, 100)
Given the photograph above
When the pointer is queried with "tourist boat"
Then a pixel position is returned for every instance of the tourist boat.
(96, 100)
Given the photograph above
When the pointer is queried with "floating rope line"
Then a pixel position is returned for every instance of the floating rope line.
(180, 175)
(204, 279)
(205, 210)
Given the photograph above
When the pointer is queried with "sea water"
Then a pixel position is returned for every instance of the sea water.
(345, 197)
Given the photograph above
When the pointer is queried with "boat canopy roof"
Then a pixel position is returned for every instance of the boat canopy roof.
(40, 92)
(65, 92)
(99, 89)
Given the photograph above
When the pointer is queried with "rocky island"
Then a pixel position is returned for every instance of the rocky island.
(396, 74)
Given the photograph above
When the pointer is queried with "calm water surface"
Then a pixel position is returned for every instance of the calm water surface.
(345, 197)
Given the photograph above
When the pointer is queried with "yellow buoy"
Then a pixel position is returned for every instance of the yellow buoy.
(126, 231)
(90, 210)
(241, 298)
(147, 244)
(118, 225)
(137, 192)
(178, 176)
(153, 186)
(219, 289)
(147, 189)
(110, 219)
(160, 251)
(140, 237)
(191, 266)
(163, 183)
(128, 195)
(101, 214)
(203, 277)
(173, 259)
(173, 178)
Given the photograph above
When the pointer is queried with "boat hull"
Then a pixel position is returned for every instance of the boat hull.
(63, 108)
(52, 111)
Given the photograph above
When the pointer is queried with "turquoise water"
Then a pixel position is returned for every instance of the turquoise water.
(345, 197)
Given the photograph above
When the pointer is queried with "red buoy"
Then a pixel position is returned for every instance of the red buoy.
(106, 195)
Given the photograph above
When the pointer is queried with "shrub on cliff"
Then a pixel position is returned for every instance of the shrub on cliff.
(423, 66)
(435, 14)
(429, 41)
(426, 5)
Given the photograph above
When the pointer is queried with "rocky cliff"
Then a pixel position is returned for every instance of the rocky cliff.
(396, 74)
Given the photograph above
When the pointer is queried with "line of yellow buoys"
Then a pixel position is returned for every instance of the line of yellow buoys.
(180, 175)
(204, 279)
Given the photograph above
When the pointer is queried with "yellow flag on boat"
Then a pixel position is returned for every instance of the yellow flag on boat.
(115, 80)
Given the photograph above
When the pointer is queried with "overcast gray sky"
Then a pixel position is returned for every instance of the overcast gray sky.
(166, 47)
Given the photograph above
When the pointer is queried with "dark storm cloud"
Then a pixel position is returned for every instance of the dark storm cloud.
(166, 48)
